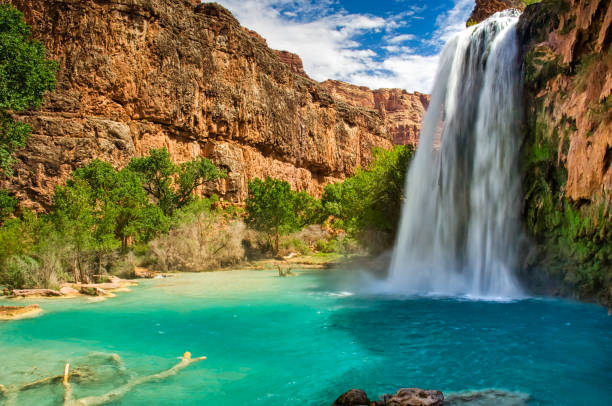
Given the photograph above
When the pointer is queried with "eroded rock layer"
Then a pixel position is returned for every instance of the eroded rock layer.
(141, 74)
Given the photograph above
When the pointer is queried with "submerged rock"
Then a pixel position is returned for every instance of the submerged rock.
(487, 397)
(415, 397)
(19, 312)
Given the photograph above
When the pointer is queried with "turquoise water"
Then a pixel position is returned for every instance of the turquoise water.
(305, 340)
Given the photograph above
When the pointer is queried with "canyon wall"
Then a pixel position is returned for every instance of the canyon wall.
(567, 150)
(401, 111)
(141, 74)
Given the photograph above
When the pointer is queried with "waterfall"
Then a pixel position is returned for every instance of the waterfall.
(460, 227)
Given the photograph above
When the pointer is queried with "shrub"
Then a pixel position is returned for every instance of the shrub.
(202, 239)
(293, 243)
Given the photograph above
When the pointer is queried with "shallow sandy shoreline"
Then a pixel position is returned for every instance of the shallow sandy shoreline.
(8, 313)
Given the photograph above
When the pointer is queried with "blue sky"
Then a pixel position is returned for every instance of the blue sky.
(375, 43)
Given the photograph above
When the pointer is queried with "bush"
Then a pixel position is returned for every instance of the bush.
(293, 243)
(201, 239)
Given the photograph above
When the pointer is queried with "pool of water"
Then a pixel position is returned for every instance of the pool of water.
(307, 339)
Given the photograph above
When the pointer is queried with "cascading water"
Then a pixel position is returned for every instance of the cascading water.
(460, 230)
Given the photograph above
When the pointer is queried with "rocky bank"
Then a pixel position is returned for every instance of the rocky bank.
(141, 74)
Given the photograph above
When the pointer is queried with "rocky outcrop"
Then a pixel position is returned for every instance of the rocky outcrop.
(293, 61)
(403, 397)
(567, 152)
(486, 8)
(141, 74)
(401, 111)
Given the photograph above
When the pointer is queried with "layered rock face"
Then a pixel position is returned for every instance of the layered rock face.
(141, 74)
(567, 152)
(401, 111)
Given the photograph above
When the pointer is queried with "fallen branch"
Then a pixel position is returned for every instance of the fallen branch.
(11, 392)
(121, 391)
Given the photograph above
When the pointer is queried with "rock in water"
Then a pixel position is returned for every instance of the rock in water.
(354, 397)
(416, 397)
(403, 397)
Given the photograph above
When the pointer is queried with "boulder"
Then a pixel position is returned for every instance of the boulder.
(354, 397)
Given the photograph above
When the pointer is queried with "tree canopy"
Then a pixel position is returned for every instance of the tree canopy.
(172, 186)
(272, 207)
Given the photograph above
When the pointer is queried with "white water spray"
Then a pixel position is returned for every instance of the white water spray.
(460, 228)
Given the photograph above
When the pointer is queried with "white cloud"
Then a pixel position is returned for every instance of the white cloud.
(400, 38)
(328, 40)
(453, 22)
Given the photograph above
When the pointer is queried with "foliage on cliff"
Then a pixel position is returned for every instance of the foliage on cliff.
(567, 149)
(25, 75)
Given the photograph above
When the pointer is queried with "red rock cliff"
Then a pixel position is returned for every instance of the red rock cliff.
(568, 68)
(141, 74)
(401, 111)
(566, 158)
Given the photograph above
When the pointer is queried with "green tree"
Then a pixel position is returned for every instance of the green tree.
(172, 186)
(25, 75)
(100, 209)
(74, 219)
(7, 206)
(272, 207)
(373, 197)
